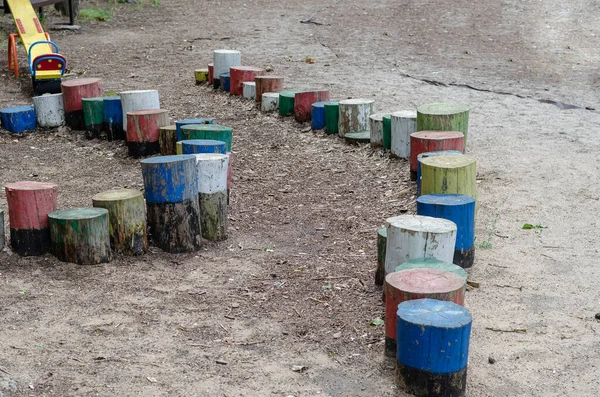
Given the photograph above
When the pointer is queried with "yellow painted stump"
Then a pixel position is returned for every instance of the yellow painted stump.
(166, 140)
(178, 148)
(201, 76)
(449, 175)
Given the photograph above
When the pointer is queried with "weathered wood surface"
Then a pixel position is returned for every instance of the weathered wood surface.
(376, 128)
(170, 179)
(249, 90)
(354, 115)
(332, 117)
(143, 131)
(241, 74)
(208, 131)
(93, 116)
(138, 100)
(403, 123)
(432, 264)
(270, 102)
(267, 84)
(387, 131)
(200, 120)
(2, 239)
(317, 121)
(113, 118)
(432, 141)
(211, 73)
(200, 146)
(381, 244)
(449, 175)
(73, 92)
(167, 140)
(175, 227)
(49, 110)
(222, 61)
(422, 156)
(286, 102)
(443, 117)
(212, 190)
(303, 103)
(18, 119)
(201, 76)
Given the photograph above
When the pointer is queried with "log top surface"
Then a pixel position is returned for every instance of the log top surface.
(169, 127)
(114, 98)
(440, 153)
(117, 195)
(441, 109)
(250, 83)
(434, 313)
(206, 127)
(31, 185)
(446, 199)
(332, 103)
(268, 77)
(16, 109)
(358, 136)
(271, 95)
(226, 52)
(425, 281)
(432, 264)
(319, 104)
(226, 74)
(382, 231)
(419, 223)
(357, 101)
(247, 68)
(168, 159)
(73, 214)
(437, 135)
(201, 70)
(48, 95)
(146, 112)
(290, 93)
(79, 82)
(136, 92)
(202, 120)
(378, 116)
(448, 161)
(405, 114)
(203, 142)
(210, 156)
(210, 65)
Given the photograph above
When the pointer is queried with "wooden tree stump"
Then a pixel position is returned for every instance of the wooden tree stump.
(222, 61)
(113, 118)
(80, 235)
(127, 219)
(49, 110)
(225, 81)
(403, 123)
(318, 115)
(73, 92)
(171, 186)
(93, 116)
(449, 175)
(431, 141)
(241, 74)
(201, 76)
(203, 146)
(332, 117)
(459, 209)
(138, 100)
(212, 194)
(208, 131)
(413, 284)
(267, 84)
(430, 263)
(181, 123)
(286, 102)
(211, 73)
(357, 137)
(249, 90)
(413, 236)
(376, 129)
(433, 348)
(18, 119)
(387, 131)
(303, 103)
(1, 230)
(443, 117)
(354, 115)
(270, 102)
(143, 130)
(167, 139)
(29, 204)
(431, 154)
(178, 148)
(381, 244)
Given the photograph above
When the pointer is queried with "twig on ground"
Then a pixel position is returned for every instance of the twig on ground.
(222, 326)
(517, 330)
(508, 286)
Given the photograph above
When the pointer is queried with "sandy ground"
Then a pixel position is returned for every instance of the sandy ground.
(156, 325)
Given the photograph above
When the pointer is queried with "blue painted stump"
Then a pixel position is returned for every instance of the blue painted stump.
(199, 146)
(460, 209)
(433, 347)
(113, 118)
(18, 119)
(225, 81)
(171, 186)
(318, 115)
(432, 154)
(180, 123)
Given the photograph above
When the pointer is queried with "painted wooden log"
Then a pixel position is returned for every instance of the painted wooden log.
(267, 84)
(286, 102)
(29, 204)
(225, 81)
(459, 209)
(387, 131)
(431, 154)
(167, 139)
(181, 123)
(212, 194)
(80, 235)
(413, 236)
(93, 116)
(73, 92)
(354, 115)
(113, 118)
(249, 90)
(449, 175)
(208, 131)
(127, 219)
(1, 230)
(381, 244)
(178, 148)
(223, 60)
(241, 74)
(376, 129)
(318, 115)
(270, 102)
(143, 130)
(332, 117)
(18, 119)
(138, 100)
(211, 73)
(413, 284)
(443, 117)
(229, 174)
(201, 76)
(430, 263)
(403, 123)
(431, 141)
(433, 348)
(49, 110)
(357, 137)
(206, 146)
(171, 186)
(303, 102)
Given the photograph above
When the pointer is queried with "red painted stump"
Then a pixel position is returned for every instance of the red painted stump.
(143, 131)
(29, 204)
(240, 74)
(211, 70)
(267, 84)
(433, 141)
(303, 103)
(73, 92)
(420, 283)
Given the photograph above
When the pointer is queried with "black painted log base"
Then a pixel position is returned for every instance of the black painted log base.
(413, 175)
(142, 149)
(464, 258)
(390, 347)
(427, 384)
(175, 227)
(30, 242)
(75, 120)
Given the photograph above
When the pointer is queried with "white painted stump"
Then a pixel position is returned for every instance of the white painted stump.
(270, 102)
(138, 100)
(414, 237)
(49, 110)
(249, 90)
(212, 193)
(354, 115)
(223, 60)
(404, 123)
(376, 125)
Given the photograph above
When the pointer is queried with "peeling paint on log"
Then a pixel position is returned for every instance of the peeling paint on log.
(303, 102)
(49, 110)
(175, 227)
(167, 140)
(208, 131)
(354, 115)
(433, 141)
(449, 175)
(403, 123)
(138, 100)
(143, 131)
(376, 127)
(443, 117)
(332, 117)
(381, 244)
(267, 84)
(241, 74)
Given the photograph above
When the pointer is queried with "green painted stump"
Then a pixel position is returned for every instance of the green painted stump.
(431, 263)
(332, 117)
(93, 116)
(387, 131)
(208, 131)
(443, 117)
(381, 245)
(80, 235)
(167, 138)
(127, 219)
(286, 102)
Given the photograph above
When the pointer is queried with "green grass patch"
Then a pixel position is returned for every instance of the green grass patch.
(94, 14)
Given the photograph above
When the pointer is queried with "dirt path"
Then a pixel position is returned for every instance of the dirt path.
(293, 283)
